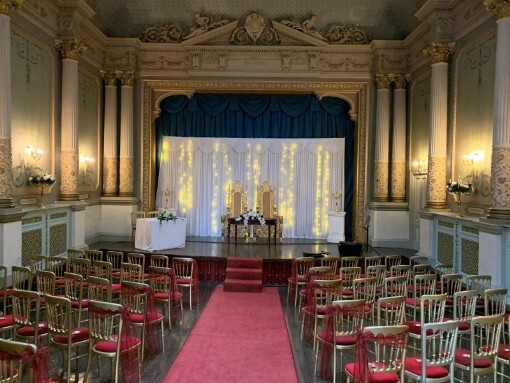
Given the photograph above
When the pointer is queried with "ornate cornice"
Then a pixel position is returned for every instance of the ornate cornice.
(401, 80)
(382, 81)
(71, 48)
(127, 78)
(439, 52)
(501, 8)
(110, 77)
(6, 6)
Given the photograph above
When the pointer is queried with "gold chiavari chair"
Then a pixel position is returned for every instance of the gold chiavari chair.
(25, 312)
(297, 280)
(115, 258)
(138, 259)
(159, 260)
(186, 276)
(99, 289)
(162, 282)
(134, 216)
(21, 278)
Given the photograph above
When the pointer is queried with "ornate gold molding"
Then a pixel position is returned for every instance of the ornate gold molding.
(69, 175)
(71, 48)
(436, 183)
(110, 77)
(398, 181)
(401, 80)
(382, 81)
(153, 88)
(381, 178)
(6, 6)
(6, 181)
(439, 52)
(126, 180)
(110, 176)
(500, 183)
(127, 78)
(501, 8)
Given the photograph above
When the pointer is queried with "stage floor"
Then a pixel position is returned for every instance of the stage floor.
(288, 248)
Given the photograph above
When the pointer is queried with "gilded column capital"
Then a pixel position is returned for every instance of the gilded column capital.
(501, 8)
(127, 78)
(401, 80)
(71, 48)
(439, 52)
(109, 77)
(6, 6)
(382, 81)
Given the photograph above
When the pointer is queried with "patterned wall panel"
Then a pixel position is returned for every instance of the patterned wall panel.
(57, 239)
(31, 244)
(445, 245)
(469, 256)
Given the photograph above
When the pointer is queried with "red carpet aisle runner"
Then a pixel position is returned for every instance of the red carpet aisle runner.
(239, 337)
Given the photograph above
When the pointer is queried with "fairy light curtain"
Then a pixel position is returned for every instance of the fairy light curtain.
(304, 172)
(258, 117)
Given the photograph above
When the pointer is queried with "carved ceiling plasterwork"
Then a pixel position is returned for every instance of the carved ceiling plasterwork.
(354, 92)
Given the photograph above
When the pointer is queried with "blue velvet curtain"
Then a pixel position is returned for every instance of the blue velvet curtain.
(261, 116)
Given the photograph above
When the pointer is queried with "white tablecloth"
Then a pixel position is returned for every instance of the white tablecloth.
(151, 235)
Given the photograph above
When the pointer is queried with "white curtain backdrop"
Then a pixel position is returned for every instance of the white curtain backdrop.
(305, 174)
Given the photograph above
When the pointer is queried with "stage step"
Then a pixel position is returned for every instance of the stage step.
(243, 275)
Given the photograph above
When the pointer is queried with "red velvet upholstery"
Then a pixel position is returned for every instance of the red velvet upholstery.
(125, 344)
(462, 357)
(374, 377)
(6, 321)
(42, 328)
(339, 339)
(78, 334)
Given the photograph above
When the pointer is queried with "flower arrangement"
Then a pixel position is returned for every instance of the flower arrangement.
(42, 180)
(166, 215)
(251, 215)
(458, 188)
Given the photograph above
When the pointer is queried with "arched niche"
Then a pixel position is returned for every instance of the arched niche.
(355, 93)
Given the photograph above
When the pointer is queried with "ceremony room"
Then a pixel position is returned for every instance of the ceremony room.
(269, 191)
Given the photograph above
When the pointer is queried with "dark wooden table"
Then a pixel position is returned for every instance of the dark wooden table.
(254, 222)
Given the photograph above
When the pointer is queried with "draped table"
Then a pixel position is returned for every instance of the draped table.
(151, 235)
(254, 222)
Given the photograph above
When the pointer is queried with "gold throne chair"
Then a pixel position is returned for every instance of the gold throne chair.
(266, 205)
(237, 203)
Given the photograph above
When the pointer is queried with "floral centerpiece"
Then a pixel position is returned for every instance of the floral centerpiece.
(166, 215)
(457, 189)
(42, 180)
(251, 215)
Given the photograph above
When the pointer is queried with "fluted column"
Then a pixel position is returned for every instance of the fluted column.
(70, 50)
(500, 167)
(382, 138)
(398, 158)
(439, 54)
(126, 184)
(110, 174)
(6, 181)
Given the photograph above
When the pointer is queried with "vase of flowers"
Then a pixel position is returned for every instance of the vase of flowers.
(457, 189)
(166, 215)
(42, 180)
(251, 215)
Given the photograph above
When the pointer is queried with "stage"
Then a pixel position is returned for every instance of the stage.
(211, 254)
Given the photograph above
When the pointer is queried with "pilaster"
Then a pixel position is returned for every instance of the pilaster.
(382, 138)
(126, 185)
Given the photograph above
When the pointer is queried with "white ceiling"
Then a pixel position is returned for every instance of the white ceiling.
(381, 19)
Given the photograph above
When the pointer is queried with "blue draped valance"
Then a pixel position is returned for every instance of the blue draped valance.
(261, 116)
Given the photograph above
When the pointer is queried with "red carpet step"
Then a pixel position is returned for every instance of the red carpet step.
(243, 275)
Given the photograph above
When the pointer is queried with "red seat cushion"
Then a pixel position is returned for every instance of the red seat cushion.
(504, 351)
(116, 274)
(78, 334)
(340, 340)
(414, 366)
(462, 357)
(347, 292)
(390, 306)
(116, 286)
(125, 344)
(138, 318)
(187, 281)
(412, 302)
(60, 282)
(415, 327)
(6, 321)
(42, 328)
(375, 377)
(76, 304)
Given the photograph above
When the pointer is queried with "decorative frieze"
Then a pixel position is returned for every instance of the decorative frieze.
(501, 8)
(71, 48)
(7, 6)
(439, 52)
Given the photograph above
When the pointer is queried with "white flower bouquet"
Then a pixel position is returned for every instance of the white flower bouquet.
(251, 215)
(42, 180)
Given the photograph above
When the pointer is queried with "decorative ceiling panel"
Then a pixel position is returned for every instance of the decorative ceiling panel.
(381, 19)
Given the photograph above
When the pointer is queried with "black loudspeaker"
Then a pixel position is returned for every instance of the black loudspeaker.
(350, 249)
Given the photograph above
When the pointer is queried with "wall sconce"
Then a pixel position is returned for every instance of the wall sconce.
(85, 161)
(34, 153)
(419, 168)
(473, 158)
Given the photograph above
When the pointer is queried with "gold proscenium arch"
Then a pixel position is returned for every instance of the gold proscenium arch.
(355, 93)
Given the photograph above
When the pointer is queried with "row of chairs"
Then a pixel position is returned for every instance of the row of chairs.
(325, 296)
